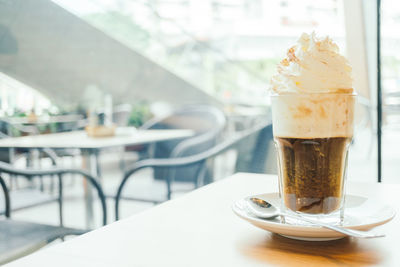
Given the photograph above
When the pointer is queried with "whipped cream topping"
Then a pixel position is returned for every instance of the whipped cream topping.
(313, 65)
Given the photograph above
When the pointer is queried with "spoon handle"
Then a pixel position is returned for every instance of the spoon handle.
(346, 231)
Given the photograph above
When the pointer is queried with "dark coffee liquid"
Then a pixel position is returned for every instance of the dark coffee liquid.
(312, 172)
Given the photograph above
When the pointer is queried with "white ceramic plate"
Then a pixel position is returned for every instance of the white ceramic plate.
(360, 213)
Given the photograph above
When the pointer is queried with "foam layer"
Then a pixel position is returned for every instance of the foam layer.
(313, 115)
(313, 66)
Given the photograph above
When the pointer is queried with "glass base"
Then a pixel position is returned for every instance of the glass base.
(334, 218)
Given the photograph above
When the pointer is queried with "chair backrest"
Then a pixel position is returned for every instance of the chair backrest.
(253, 152)
(199, 118)
(207, 122)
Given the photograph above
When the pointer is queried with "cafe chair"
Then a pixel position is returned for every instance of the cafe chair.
(10, 155)
(19, 238)
(197, 163)
(31, 197)
(206, 121)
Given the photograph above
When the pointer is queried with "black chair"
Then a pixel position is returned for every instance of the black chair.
(18, 238)
(26, 197)
(207, 122)
(200, 159)
(31, 197)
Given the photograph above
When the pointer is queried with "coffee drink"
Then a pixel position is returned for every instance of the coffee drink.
(312, 172)
(312, 134)
(312, 113)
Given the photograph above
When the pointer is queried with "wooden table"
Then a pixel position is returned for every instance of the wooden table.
(199, 229)
(90, 147)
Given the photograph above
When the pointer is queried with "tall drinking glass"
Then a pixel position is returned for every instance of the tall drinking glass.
(312, 134)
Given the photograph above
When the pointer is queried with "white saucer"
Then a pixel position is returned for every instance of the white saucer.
(360, 213)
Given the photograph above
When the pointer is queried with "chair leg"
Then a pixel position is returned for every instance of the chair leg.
(11, 181)
(77, 160)
(201, 176)
(11, 155)
(16, 183)
(41, 184)
(98, 165)
(169, 193)
(122, 161)
(39, 165)
(51, 186)
(60, 200)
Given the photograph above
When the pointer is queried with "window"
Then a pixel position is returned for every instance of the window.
(390, 60)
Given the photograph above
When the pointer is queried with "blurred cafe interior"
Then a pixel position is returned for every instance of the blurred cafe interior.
(110, 108)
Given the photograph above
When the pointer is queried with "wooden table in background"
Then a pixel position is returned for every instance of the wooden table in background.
(199, 229)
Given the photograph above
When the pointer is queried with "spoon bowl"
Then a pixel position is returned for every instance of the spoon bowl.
(261, 208)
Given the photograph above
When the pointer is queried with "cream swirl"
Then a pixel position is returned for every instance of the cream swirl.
(313, 65)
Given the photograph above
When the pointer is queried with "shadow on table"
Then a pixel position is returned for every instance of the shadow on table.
(283, 251)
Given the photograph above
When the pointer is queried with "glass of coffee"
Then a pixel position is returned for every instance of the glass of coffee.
(312, 134)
